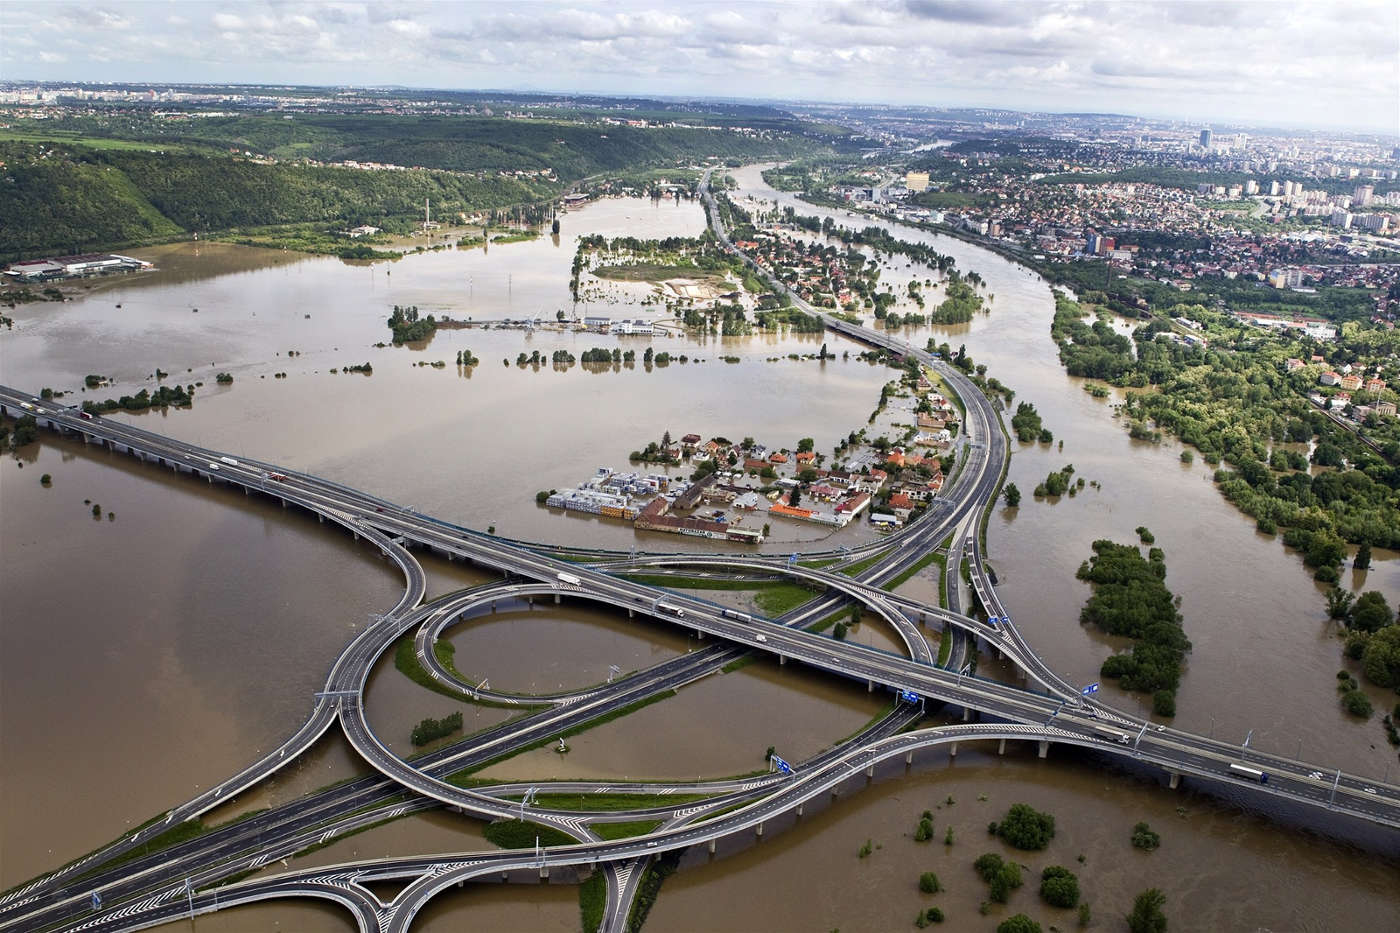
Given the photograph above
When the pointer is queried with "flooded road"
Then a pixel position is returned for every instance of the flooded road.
(469, 444)
(1264, 652)
(154, 652)
(1220, 869)
(719, 726)
(192, 629)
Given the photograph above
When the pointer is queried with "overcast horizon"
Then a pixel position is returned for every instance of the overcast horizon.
(1320, 65)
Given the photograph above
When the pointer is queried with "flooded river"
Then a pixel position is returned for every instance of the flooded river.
(156, 652)
(1264, 652)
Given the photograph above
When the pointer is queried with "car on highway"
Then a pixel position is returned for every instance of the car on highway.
(762, 638)
(1315, 775)
(1368, 790)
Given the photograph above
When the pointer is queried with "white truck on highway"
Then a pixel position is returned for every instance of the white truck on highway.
(569, 579)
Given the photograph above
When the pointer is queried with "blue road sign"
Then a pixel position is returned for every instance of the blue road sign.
(908, 696)
(1090, 689)
(781, 765)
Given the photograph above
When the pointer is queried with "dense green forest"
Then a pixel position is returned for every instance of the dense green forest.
(459, 143)
(73, 199)
(62, 197)
(1234, 402)
(1131, 599)
(1132, 294)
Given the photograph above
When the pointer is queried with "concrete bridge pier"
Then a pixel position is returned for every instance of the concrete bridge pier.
(758, 831)
(1044, 748)
(321, 519)
(870, 770)
(630, 612)
(712, 848)
(544, 872)
(909, 758)
(967, 714)
(782, 660)
(557, 599)
(800, 808)
(953, 750)
(870, 686)
(1175, 779)
(1001, 747)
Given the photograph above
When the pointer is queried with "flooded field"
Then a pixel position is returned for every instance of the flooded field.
(1265, 653)
(1219, 868)
(718, 726)
(158, 650)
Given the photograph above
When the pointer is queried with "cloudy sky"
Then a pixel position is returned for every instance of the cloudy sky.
(1274, 61)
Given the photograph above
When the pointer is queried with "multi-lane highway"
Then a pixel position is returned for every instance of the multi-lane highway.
(144, 890)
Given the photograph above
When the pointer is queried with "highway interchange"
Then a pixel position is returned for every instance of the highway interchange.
(146, 890)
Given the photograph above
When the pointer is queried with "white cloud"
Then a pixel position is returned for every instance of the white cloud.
(1334, 62)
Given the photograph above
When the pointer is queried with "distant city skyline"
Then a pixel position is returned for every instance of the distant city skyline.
(1324, 65)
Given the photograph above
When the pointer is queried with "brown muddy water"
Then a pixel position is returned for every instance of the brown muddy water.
(472, 445)
(197, 624)
(715, 727)
(1264, 653)
(155, 652)
(1220, 869)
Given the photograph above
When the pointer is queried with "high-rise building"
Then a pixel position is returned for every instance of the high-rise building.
(1205, 139)
(1341, 219)
(1361, 197)
(1273, 189)
(1379, 223)
(1251, 187)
